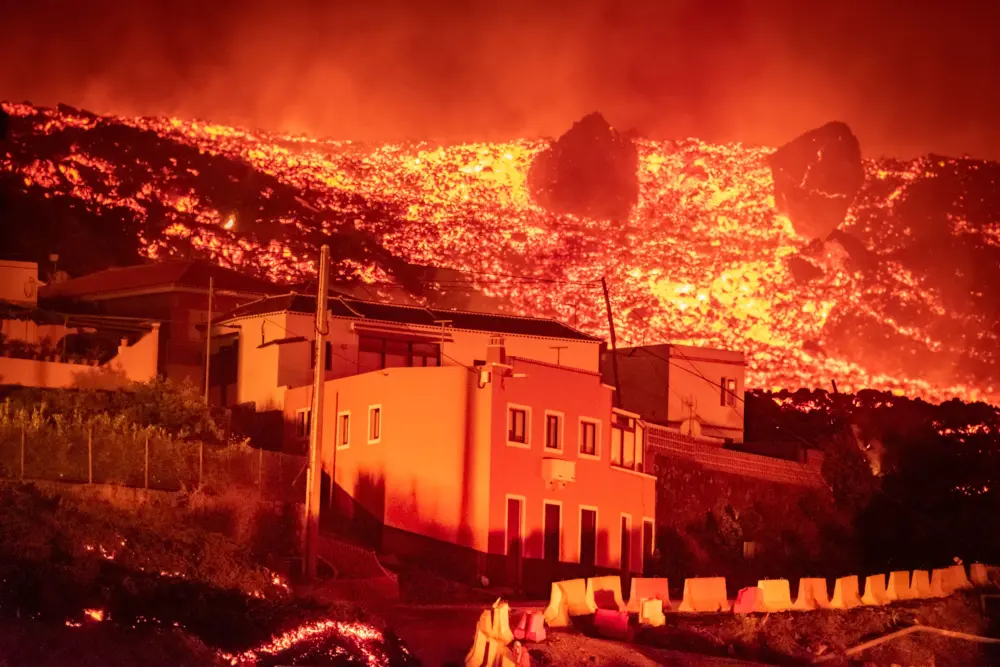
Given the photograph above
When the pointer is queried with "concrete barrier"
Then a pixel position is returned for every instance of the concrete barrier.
(845, 593)
(557, 613)
(920, 586)
(605, 592)
(484, 651)
(899, 586)
(651, 613)
(495, 622)
(939, 582)
(875, 593)
(979, 575)
(955, 579)
(493, 633)
(749, 600)
(813, 594)
(648, 588)
(777, 594)
(704, 594)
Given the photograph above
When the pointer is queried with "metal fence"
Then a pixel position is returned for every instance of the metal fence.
(93, 454)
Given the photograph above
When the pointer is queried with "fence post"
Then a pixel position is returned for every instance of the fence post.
(147, 462)
(22, 453)
(90, 454)
(201, 462)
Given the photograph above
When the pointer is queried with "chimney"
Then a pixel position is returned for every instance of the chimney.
(496, 353)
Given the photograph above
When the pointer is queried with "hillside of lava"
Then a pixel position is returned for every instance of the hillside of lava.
(899, 295)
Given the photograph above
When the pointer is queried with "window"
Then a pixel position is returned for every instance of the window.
(588, 535)
(518, 417)
(648, 545)
(375, 353)
(343, 430)
(553, 431)
(374, 424)
(588, 438)
(626, 442)
(727, 392)
(552, 530)
(327, 356)
(303, 422)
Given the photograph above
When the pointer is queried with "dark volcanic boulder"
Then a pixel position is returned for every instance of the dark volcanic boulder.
(4, 120)
(590, 172)
(816, 177)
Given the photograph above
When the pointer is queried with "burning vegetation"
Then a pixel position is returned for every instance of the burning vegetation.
(894, 296)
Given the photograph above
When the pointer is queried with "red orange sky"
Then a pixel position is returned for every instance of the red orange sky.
(909, 77)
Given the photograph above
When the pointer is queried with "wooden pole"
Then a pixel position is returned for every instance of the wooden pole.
(208, 343)
(146, 481)
(614, 345)
(90, 454)
(313, 478)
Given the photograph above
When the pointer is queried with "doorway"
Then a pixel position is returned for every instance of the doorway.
(514, 540)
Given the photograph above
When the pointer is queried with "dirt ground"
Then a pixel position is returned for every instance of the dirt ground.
(441, 636)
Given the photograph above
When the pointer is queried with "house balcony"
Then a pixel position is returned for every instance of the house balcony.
(558, 472)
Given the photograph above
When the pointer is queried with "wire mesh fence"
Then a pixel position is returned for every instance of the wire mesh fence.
(102, 452)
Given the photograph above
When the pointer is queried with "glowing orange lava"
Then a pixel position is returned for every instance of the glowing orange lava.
(702, 260)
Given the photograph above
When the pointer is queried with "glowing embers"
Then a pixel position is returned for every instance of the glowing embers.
(363, 638)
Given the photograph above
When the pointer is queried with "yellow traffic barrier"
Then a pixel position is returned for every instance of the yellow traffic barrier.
(705, 594)
(899, 586)
(920, 586)
(484, 651)
(776, 594)
(578, 600)
(648, 588)
(605, 592)
(651, 613)
(813, 594)
(875, 593)
(493, 633)
(939, 582)
(979, 575)
(845, 593)
(557, 613)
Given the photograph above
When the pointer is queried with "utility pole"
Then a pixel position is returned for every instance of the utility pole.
(315, 473)
(614, 344)
(208, 337)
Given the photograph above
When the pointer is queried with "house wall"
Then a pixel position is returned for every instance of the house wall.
(667, 384)
(429, 472)
(135, 363)
(19, 282)
(695, 374)
(518, 471)
(257, 376)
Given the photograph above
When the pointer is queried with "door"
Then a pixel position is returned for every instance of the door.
(588, 536)
(553, 531)
(647, 547)
(514, 540)
(626, 545)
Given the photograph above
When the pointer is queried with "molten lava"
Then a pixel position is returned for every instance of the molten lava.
(703, 258)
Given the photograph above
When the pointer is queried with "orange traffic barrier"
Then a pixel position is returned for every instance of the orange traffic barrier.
(568, 598)
(955, 579)
(605, 592)
(899, 586)
(920, 586)
(776, 593)
(648, 588)
(979, 575)
(557, 613)
(704, 594)
(813, 594)
(845, 593)
(875, 593)
(749, 600)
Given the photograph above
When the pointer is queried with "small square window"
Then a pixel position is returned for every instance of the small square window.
(517, 426)
(588, 438)
(553, 431)
(374, 424)
(343, 430)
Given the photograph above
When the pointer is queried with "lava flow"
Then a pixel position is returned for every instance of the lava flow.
(898, 301)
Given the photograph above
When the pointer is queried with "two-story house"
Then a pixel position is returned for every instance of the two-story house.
(695, 390)
(518, 469)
